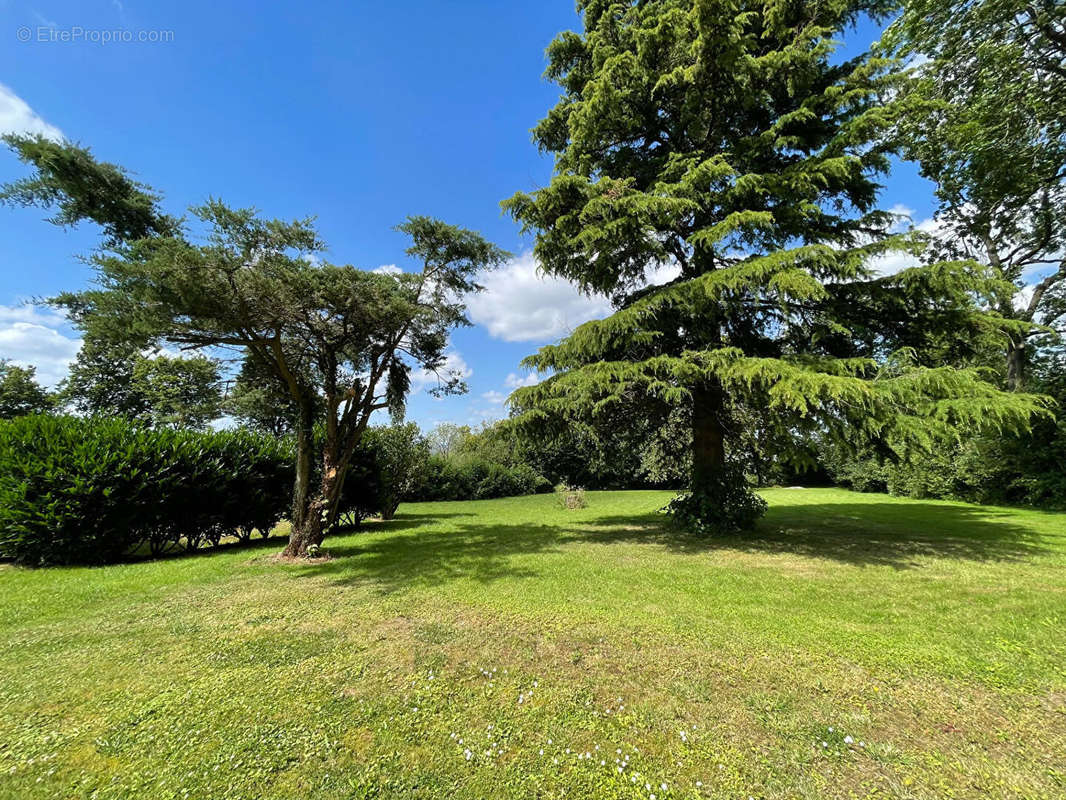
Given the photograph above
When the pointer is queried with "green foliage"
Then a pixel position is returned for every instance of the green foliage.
(101, 379)
(394, 464)
(20, 394)
(475, 479)
(258, 400)
(467, 464)
(400, 453)
(341, 340)
(69, 179)
(116, 379)
(727, 506)
(1013, 467)
(733, 145)
(179, 392)
(76, 490)
(387, 467)
(361, 495)
(983, 115)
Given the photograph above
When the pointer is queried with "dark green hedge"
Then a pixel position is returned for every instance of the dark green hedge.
(90, 491)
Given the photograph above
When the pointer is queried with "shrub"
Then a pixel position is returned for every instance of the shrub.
(730, 506)
(361, 494)
(474, 479)
(570, 497)
(89, 491)
(399, 453)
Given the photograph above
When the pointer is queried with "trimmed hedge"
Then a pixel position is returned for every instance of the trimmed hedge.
(90, 491)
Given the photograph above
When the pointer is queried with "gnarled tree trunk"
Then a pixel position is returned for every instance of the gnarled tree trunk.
(306, 519)
(315, 510)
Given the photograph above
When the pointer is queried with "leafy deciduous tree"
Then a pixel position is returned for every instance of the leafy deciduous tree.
(984, 114)
(400, 452)
(100, 382)
(257, 400)
(20, 394)
(179, 392)
(116, 379)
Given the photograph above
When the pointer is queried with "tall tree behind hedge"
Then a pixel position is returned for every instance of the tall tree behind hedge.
(100, 381)
(20, 394)
(116, 379)
(727, 139)
(985, 117)
(179, 392)
(257, 401)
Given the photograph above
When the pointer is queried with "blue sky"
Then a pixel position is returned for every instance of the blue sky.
(358, 113)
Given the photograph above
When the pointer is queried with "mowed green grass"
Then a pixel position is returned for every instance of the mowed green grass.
(854, 646)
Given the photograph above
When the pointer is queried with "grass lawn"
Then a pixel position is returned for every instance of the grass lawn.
(855, 646)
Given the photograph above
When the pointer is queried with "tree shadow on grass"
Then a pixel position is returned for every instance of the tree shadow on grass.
(875, 533)
(899, 535)
(479, 552)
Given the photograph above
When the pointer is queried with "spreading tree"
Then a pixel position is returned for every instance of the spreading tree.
(730, 143)
(339, 341)
(68, 179)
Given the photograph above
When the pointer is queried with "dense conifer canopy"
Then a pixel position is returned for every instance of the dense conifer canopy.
(730, 143)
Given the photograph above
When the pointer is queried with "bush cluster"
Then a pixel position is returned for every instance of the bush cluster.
(1023, 470)
(728, 506)
(475, 479)
(570, 497)
(90, 491)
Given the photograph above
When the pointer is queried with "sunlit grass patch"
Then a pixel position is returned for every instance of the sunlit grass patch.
(854, 646)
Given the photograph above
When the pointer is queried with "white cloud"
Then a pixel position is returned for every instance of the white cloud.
(29, 338)
(521, 305)
(515, 381)
(663, 273)
(892, 262)
(905, 215)
(494, 397)
(454, 366)
(896, 261)
(39, 315)
(1024, 297)
(388, 269)
(16, 116)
